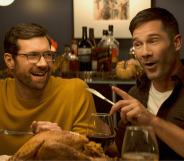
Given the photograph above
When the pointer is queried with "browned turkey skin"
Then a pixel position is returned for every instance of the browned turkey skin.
(60, 145)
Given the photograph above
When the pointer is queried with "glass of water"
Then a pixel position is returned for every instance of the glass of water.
(140, 144)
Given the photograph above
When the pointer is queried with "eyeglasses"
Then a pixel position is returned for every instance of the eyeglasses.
(49, 56)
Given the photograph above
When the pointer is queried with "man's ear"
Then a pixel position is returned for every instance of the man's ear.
(177, 42)
(9, 60)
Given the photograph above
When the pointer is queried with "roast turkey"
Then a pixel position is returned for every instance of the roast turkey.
(60, 145)
(53, 145)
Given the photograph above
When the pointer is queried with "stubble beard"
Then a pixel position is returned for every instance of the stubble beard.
(166, 66)
(27, 81)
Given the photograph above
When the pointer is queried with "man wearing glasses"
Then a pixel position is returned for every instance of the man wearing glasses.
(34, 98)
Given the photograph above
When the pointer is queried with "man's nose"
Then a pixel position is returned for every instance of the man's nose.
(146, 52)
(42, 62)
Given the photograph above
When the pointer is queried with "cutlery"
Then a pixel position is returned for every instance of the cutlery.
(99, 95)
(14, 132)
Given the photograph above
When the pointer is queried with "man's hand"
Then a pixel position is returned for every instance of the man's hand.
(41, 126)
(131, 109)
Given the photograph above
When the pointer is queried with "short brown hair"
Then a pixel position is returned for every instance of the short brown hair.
(23, 31)
(169, 23)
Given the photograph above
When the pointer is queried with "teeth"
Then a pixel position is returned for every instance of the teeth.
(38, 74)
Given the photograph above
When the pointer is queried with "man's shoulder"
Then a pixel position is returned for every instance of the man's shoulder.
(73, 82)
(7, 81)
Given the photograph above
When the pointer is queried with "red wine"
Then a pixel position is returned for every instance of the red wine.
(106, 140)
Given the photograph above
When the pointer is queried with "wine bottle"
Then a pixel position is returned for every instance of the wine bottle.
(115, 49)
(84, 52)
(93, 50)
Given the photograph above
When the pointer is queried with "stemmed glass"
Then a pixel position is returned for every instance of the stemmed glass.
(140, 144)
(101, 130)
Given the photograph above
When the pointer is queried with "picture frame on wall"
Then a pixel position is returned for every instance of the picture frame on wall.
(99, 14)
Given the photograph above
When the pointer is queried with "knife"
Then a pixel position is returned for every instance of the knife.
(15, 132)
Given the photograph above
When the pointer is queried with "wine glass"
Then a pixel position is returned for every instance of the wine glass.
(101, 130)
(140, 144)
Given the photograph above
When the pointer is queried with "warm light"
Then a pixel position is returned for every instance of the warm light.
(5, 2)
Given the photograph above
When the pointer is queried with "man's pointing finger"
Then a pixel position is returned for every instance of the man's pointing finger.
(122, 93)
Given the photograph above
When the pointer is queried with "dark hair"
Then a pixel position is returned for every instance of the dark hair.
(169, 23)
(23, 31)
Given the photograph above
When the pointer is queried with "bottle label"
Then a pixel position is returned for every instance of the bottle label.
(84, 51)
(114, 58)
(114, 53)
(103, 54)
(84, 54)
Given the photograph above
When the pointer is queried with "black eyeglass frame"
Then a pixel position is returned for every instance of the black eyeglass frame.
(40, 55)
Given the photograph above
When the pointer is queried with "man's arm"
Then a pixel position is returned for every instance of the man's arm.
(169, 133)
(133, 111)
(112, 151)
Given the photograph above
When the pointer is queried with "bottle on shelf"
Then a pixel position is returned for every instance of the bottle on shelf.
(105, 33)
(84, 52)
(115, 48)
(73, 59)
(93, 49)
(111, 29)
(74, 47)
(103, 54)
(64, 66)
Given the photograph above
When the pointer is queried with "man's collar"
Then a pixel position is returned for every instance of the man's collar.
(180, 75)
(143, 77)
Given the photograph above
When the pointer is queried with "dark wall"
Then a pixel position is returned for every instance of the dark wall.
(57, 17)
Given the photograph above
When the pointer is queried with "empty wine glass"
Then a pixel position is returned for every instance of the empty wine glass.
(140, 144)
(101, 130)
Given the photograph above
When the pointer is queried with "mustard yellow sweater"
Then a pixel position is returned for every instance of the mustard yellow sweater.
(65, 102)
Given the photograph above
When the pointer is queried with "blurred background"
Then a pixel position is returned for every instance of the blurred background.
(57, 17)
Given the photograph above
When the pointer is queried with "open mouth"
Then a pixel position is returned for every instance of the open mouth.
(39, 74)
(149, 64)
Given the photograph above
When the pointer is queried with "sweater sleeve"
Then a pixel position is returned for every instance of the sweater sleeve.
(83, 107)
